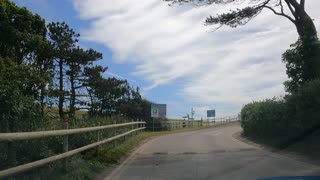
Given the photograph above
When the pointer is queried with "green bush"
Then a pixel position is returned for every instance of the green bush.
(304, 106)
(157, 124)
(285, 119)
(263, 119)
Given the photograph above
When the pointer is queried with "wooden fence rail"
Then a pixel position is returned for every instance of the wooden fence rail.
(41, 134)
(176, 124)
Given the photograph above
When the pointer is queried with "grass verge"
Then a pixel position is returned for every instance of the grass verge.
(307, 147)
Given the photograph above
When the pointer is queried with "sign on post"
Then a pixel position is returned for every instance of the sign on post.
(211, 113)
(158, 110)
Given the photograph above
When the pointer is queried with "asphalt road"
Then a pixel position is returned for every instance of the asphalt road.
(208, 154)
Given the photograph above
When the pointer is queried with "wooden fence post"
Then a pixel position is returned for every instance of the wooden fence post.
(132, 127)
(11, 153)
(65, 144)
(114, 133)
(11, 149)
(98, 139)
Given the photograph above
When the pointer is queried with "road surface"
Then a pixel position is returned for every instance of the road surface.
(208, 154)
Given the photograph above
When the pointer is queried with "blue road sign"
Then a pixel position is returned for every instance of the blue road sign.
(211, 113)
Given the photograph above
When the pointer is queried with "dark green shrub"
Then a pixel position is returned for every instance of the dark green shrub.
(281, 121)
(263, 118)
(304, 106)
(157, 124)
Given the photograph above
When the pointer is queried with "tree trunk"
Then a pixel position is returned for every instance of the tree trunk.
(42, 100)
(91, 102)
(306, 28)
(72, 96)
(64, 121)
(310, 43)
(61, 92)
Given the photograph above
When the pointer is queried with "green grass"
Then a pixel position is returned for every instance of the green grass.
(307, 146)
(54, 112)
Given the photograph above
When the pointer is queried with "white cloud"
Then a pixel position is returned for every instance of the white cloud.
(229, 67)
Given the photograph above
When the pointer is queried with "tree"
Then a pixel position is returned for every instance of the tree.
(92, 77)
(63, 40)
(18, 88)
(43, 64)
(78, 60)
(301, 63)
(20, 32)
(109, 92)
(22, 78)
(303, 60)
(297, 14)
(18, 109)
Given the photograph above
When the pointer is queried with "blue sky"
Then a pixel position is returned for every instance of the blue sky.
(174, 58)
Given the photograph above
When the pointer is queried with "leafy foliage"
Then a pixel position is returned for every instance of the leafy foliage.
(20, 31)
(18, 89)
(304, 106)
(302, 63)
(43, 69)
(284, 120)
(234, 18)
(263, 119)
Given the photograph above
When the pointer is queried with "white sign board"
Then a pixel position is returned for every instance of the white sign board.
(154, 112)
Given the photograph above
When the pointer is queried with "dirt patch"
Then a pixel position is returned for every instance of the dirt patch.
(240, 137)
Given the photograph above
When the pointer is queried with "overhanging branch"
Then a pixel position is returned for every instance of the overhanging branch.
(291, 9)
(280, 14)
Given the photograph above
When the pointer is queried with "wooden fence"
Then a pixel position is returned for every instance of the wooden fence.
(166, 125)
(43, 134)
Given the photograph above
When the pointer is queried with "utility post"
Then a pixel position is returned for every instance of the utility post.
(192, 113)
(188, 120)
(153, 124)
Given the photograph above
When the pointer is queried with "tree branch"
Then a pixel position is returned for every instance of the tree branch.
(280, 14)
(294, 3)
(291, 9)
(280, 3)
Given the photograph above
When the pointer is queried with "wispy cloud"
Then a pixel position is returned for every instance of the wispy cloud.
(228, 67)
(114, 75)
